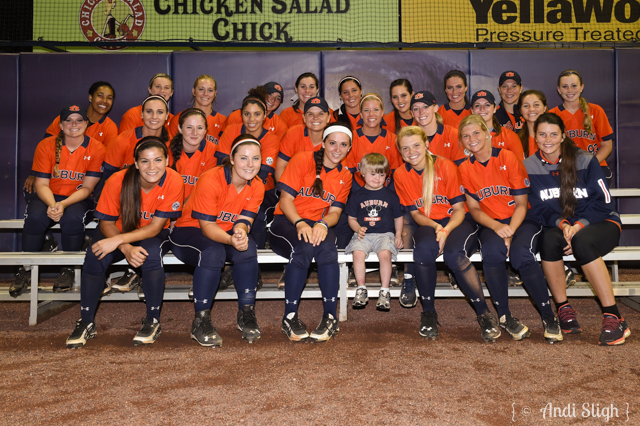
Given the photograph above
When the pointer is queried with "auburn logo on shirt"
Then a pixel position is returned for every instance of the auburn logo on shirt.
(146, 215)
(227, 217)
(190, 180)
(581, 133)
(308, 192)
(71, 175)
(437, 199)
(493, 190)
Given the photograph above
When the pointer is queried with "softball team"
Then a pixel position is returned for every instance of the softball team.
(438, 180)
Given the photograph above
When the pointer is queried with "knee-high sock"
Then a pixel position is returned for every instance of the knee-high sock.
(469, 283)
(205, 286)
(153, 285)
(426, 276)
(536, 285)
(90, 293)
(329, 277)
(295, 279)
(496, 277)
(245, 277)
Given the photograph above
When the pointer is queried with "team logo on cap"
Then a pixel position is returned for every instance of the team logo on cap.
(74, 108)
(112, 20)
(418, 96)
(510, 74)
(278, 87)
(482, 93)
(315, 101)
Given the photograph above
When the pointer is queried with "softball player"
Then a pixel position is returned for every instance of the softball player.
(509, 88)
(497, 187)
(273, 122)
(215, 228)
(430, 191)
(578, 216)
(586, 124)
(254, 111)
(532, 104)
(159, 85)
(66, 169)
(203, 94)
(455, 87)
(400, 92)
(315, 187)
(350, 90)
(306, 88)
(134, 214)
(484, 104)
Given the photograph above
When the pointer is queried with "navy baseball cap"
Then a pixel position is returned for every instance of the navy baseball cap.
(73, 109)
(316, 101)
(424, 97)
(483, 94)
(273, 87)
(510, 75)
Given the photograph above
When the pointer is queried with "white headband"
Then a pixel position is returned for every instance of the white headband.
(371, 96)
(235, 145)
(334, 129)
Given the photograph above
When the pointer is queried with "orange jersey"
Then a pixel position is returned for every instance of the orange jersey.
(216, 199)
(102, 131)
(574, 128)
(495, 183)
(452, 118)
(445, 143)
(120, 151)
(296, 140)
(533, 146)
(86, 160)
(508, 120)
(273, 123)
(133, 118)
(164, 200)
(507, 139)
(384, 143)
(389, 121)
(269, 148)
(293, 117)
(298, 179)
(448, 188)
(192, 167)
(215, 122)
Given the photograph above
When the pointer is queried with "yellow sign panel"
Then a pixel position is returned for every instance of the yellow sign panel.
(520, 21)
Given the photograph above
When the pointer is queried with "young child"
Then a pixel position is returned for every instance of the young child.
(376, 218)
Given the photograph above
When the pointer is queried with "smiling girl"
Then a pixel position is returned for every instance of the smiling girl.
(455, 87)
(400, 92)
(159, 85)
(306, 88)
(350, 91)
(532, 104)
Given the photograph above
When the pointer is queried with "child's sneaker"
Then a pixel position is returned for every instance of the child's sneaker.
(384, 301)
(614, 330)
(408, 298)
(361, 298)
(568, 322)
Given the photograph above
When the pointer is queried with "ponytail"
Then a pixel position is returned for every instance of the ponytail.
(130, 200)
(56, 168)
(317, 184)
(496, 125)
(429, 183)
(439, 119)
(587, 123)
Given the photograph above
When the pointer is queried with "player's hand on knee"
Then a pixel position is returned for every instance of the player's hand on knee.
(504, 231)
(103, 247)
(136, 256)
(318, 234)
(240, 240)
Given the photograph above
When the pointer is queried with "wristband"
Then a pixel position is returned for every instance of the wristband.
(297, 222)
(246, 222)
(445, 231)
(323, 223)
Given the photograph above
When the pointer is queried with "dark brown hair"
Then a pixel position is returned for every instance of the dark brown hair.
(457, 73)
(296, 104)
(318, 187)
(524, 132)
(407, 85)
(176, 146)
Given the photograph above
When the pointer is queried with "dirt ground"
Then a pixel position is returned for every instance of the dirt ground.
(377, 371)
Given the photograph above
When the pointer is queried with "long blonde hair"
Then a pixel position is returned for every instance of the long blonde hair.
(429, 182)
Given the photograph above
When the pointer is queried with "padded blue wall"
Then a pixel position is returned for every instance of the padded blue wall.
(8, 137)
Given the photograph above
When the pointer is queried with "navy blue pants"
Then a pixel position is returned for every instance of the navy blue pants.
(36, 224)
(192, 247)
(94, 270)
(590, 243)
(265, 215)
(284, 242)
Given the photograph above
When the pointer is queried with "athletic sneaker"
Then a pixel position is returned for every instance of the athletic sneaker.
(149, 332)
(552, 331)
(107, 288)
(65, 281)
(226, 279)
(569, 277)
(489, 328)
(281, 280)
(568, 322)
(49, 244)
(394, 281)
(294, 328)
(87, 241)
(203, 332)
(351, 280)
(384, 301)
(514, 327)
(248, 324)
(614, 330)
(429, 325)
(21, 281)
(453, 281)
(513, 279)
(327, 328)
(361, 299)
(127, 282)
(408, 298)
(84, 331)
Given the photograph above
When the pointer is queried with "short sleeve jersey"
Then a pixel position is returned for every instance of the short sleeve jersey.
(273, 123)
(215, 121)
(445, 143)
(297, 139)
(120, 151)
(448, 189)
(164, 200)
(86, 160)
(133, 118)
(384, 143)
(389, 121)
(102, 131)
(495, 183)
(269, 148)
(215, 199)
(298, 179)
(508, 120)
(375, 210)
(452, 117)
(508, 140)
(574, 128)
(191, 167)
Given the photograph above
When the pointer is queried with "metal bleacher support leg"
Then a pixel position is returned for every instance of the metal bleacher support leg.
(33, 309)
(614, 272)
(77, 277)
(342, 293)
